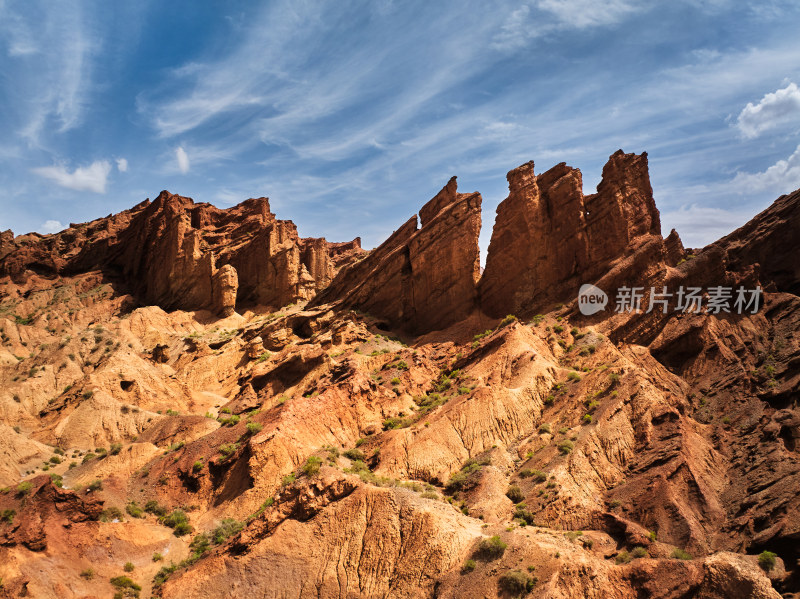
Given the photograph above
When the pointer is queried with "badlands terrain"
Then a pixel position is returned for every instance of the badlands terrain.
(199, 403)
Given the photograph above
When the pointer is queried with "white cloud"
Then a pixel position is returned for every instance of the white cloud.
(51, 226)
(775, 109)
(122, 165)
(183, 159)
(580, 14)
(91, 178)
(781, 177)
(700, 225)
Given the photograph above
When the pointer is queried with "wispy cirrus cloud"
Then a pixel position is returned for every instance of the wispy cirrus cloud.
(89, 178)
(51, 41)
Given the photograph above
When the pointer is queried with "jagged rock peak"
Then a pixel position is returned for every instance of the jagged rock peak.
(419, 279)
(176, 253)
(548, 237)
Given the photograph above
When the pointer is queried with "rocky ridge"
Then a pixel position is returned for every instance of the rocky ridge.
(415, 429)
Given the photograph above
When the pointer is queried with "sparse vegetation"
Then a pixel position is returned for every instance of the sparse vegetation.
(129, 567)
(24, 487)
(680, 554)
(491, 548)
(178, 521)
(766, 560)
(312, 465)
(639, 551)
(517, 582)
(515, 494)
(134, 510)
(565, 446)
(88, 574)
(468, 566)
(227, 528)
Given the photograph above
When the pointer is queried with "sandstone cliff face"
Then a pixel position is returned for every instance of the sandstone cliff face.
(770, 241)
(549, 238)
(420, 279)
(178, 254)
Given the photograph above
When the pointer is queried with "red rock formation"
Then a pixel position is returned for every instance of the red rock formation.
(549, 238)
(419, 279)
(178, 254)
(770, 241)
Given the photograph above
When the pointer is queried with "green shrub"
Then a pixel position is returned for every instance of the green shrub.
(178, 521)
(311, 467)
(24, 487)
(227, 528)
(134, 510)
(544, 428)
(254, 427)
(288, 479)
(354, 454)
(565, 446)
(110, 514)
(123, 582)
(639, 551)
(115, 448)
(680, 554)
(468, 566)
(574, 376)
(129, 567)
(652, 536)
(197, 466)
(623, 557)
(157, 557)
(7, 515)
(515, 494)
(228, 449)
(152, 507)
(463, 479)
(55, 459)
(517, 582)
(558, 329)
(508, 320)
(200, 544)
(767, 560)
(88, 573)
(88, 456)
(491, 548)
(95, 485)
(587, 419)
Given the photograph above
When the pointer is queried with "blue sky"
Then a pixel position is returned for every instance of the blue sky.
(350, 115)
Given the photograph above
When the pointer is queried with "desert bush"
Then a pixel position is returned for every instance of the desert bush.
(623, 557)
(88, 573)
(354, 454)
(517, 582)
(153, 507)
(311, 467)
(680, 554)
(157, 557)
(491, 548)
(767, 560)
(24, 487)
(254, 427)
(227, 528)
(515, 494)
(134, 510)
(7, 515)
(129, 567)
(178, 521)
(639, 551)
(123, 582)
(565, 447)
